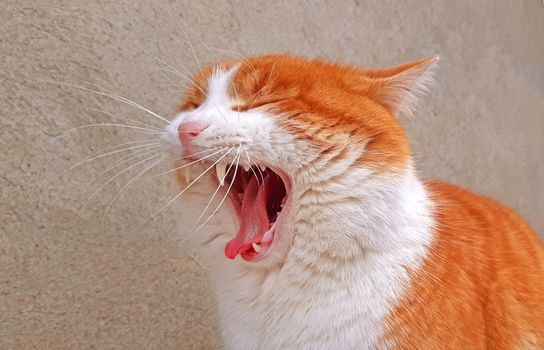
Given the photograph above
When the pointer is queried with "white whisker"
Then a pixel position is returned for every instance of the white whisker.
(182, 27)
(191, 163)
(262, 88)
(123, 144)
(190, 184)
(193, 82)
(238, 99)
(138, 176)
(187, 76)
(194, 154)
(152, 127)
(177, 73)
(260, 172)
(111, 124)
(219, 186)
(115, 177)
(252, 170)
(110, 95)
(123, 160)
(150, 145)
(232, 53)
(191, 45)
(222, 200)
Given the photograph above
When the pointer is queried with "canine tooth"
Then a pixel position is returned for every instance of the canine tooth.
(246, 167)
(267, 236)
(220, 170)
(256, 247)
(263, 168)
(187, 173)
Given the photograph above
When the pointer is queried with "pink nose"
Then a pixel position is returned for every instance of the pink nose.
(187, 132)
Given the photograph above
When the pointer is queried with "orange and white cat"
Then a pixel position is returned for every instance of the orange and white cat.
(301, 194)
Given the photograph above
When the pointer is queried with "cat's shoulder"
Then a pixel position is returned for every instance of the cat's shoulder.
(454, 203)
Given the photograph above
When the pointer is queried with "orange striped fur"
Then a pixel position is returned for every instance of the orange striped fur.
(481, 285)
(301, 90)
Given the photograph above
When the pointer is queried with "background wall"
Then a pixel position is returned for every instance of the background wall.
(77, 277)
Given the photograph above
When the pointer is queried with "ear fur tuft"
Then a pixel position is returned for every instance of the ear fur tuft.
(399, 88)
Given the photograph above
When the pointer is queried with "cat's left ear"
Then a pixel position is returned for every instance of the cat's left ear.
(399, 88)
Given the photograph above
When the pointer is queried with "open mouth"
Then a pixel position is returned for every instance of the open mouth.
(258, 195)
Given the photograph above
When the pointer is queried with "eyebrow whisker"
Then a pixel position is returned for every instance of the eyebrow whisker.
(193, 82)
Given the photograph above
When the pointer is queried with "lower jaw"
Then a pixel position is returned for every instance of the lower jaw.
(265, 246)
(253, 256)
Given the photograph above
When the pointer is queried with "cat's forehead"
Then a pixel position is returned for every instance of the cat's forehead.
(254, 81)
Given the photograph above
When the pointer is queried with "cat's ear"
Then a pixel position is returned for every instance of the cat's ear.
(399, 88)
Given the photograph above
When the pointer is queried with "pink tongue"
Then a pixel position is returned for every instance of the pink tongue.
(253, 219)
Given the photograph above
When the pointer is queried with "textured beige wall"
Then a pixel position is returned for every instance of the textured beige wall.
(76, 278)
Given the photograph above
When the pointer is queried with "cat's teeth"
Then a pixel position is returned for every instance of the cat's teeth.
(267, 236)
(246, 167)
(263, 168)
(256, 247)
(187, 174)
(220, 170)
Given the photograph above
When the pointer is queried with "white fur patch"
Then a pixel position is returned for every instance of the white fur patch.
(338, 263)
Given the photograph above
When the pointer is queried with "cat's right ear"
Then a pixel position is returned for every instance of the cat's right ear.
(399, 88)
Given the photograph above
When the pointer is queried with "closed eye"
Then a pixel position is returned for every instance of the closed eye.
(189, 106)
(255, 104)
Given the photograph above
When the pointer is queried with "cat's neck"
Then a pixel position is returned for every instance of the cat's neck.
(348, 216)
(354, 240)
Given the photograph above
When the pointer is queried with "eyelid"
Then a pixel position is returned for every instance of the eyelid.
(239, 108)
(253, 105)
(190, 107)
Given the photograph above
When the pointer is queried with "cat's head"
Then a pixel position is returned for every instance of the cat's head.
(273, 128)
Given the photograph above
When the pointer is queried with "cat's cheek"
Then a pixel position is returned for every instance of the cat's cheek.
(191, 204)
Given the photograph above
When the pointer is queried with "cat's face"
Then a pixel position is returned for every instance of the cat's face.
(272, 128)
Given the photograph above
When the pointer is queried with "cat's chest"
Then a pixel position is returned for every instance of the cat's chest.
(297, 308)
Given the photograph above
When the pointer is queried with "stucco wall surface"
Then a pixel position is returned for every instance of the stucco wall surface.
(76, 275)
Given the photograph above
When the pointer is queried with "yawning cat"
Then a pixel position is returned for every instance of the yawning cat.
(300, 193)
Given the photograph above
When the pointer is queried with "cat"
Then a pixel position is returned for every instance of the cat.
(300, 192)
